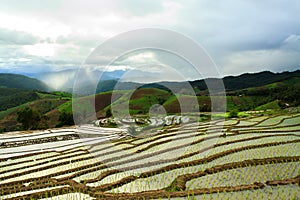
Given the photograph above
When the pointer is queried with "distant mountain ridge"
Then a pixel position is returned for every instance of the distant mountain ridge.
(22, 82)
(248, 80)
(110, 80)
(257, 79)
(231, 83)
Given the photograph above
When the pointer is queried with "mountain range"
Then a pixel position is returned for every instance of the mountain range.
(64, 81)
(250, 91)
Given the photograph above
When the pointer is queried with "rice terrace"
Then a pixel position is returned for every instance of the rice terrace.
(256, 157)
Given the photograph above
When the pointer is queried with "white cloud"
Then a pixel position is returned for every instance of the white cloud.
(42, 49)
(19, 59)
(140, 58)
(33, 25)
(112, 68)
(12, 37)
(142, 76)
(260, 60)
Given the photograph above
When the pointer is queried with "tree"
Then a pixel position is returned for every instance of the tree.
(44, 122)
(29, 118)
(108, 113)
(233, 113)
(65, 119)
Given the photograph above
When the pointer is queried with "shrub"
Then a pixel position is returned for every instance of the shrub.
(108, 113)
(65, 119)
(233, 113)
(29, 118)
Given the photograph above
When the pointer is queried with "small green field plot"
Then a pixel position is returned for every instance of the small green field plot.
(273, 120)
(270, 105)
(65, 107)
(255, 157)
(258, 119)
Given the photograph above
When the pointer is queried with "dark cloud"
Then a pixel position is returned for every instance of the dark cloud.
(240, 36)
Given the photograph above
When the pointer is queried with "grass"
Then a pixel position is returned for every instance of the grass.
(46, 103)
(66, 107)
(268, 106)
(8, 111)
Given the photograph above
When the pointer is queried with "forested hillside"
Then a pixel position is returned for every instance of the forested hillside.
(21, 82)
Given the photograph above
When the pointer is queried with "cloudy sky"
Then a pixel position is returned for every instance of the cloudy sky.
(240, 36)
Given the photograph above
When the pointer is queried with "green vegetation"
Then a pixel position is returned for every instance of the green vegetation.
(270, 105)
(268, 93)
(65, 119)
(29, 118)
(243, 114)
(65, 107)
(14, 97)
(21, 82)
(285, 92)
(248, 80)
(142, 99)
(233, 113)
(44, 103)
(18, 94)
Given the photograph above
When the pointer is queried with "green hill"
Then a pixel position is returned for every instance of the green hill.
(17, 89)
(249, 80)
(21, 82)
(257, 79)
(44, 103)
(270, 105)
(231, 83)
(14, 97)
(286, 92)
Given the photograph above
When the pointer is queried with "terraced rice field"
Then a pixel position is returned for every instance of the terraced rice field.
(252, 158)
